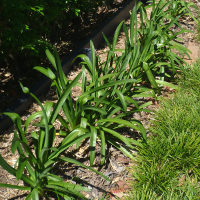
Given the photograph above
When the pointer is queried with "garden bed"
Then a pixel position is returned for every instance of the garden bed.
(117, 164)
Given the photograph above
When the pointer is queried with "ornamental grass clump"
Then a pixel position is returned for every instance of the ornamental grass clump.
(101, 108)
(173, 111)
(153, 44)
(35, 164)
(167, 165)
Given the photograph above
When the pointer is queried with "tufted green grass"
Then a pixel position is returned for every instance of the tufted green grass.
(167, 166)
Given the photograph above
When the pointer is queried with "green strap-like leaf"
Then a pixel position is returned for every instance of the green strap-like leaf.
(118, 136)
(31, 118)
(63, 122)
(93, 58)
(53, 177)
(101, 79)
(68, 186)
(85, 61)
(150, 75)
(122, 99)
(63, 98)
(106, 40)
(83, 123)
(73, 135)
(62, 148)
(121, 148)
(12, 171)
(110, 84)
(92, 108)
(60, 75)
(114, 111)
(46, 71)
(70, 160)
(21, 167)
(17, 121)
(51, 58)
(66, 192)
(103, 147)
(93, 140)
(35, 194)
(44, 142)
(15, 142)
(137, 127)
(125, 29)
(28, 197)
(17, 187)
(165, 83)
(84, 80)
(116, 35)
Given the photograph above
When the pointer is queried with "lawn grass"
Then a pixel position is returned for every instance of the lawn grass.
(168, 165)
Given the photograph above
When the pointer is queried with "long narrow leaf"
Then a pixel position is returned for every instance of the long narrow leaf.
(64, 147)
(70, 160)
(118, 136)
(17, 121)
(122, 99)
(116, 35)
(21, 168)
(108, 85)
(12, 171)
(121, 148)
(64, 192)
(35, 194)
(103, 147)
(17, 187)
(51, 58)
(46, 71)
(136, 126)
(31, 118)
(150, 75)
(64, 97)
(93, 140)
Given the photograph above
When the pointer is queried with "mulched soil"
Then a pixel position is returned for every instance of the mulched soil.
(117, 165)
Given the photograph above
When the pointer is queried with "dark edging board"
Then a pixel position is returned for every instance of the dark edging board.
(42, 86)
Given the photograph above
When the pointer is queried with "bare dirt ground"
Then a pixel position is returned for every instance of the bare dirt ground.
(117, 165)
